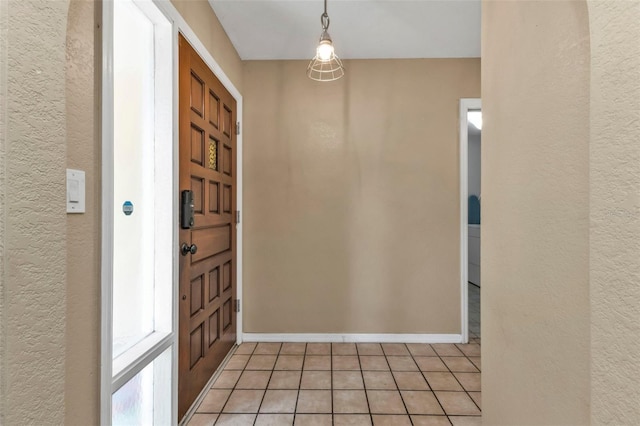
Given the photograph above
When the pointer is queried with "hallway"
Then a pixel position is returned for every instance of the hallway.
(474, 312)
(346, 384)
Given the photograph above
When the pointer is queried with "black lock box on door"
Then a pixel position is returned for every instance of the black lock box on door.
(186, 210)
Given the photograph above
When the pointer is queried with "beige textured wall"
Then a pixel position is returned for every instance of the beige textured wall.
(34, 257)
(615, 212)
(3, 126)
(204, 22)
(351, 197)
(49, 274)
(535, 201)
(82, 379)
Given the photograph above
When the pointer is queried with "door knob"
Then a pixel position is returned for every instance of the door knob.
(185, 249)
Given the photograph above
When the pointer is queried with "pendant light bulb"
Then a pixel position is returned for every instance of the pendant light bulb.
(325, 50)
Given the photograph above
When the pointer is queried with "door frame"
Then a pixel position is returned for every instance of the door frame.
(466, 105)
(164, 340)
(179, 25)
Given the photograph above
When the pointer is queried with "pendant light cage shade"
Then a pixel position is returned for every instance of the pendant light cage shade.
(328, 70)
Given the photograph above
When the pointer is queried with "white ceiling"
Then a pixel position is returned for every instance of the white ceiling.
(360, 29)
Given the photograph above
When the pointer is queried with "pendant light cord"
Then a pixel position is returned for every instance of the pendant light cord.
(324, 18)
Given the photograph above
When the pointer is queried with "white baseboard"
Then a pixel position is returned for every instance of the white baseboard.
(351, 337)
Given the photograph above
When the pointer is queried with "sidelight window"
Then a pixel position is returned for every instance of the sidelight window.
(138, 231)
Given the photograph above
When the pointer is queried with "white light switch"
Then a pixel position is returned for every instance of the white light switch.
(75, 191)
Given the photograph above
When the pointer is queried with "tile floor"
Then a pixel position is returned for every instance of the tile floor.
(346, 384)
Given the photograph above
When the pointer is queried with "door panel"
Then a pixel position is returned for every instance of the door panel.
(208, 293)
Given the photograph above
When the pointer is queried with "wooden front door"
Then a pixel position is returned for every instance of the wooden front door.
(207, 318)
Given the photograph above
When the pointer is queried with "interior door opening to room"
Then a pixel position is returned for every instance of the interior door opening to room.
(208, 302)
(470, 218)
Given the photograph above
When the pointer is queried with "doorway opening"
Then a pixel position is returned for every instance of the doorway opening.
(470, 218)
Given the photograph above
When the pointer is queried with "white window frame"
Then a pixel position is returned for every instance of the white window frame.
(117, 372)
(171, 340)
(466, 105)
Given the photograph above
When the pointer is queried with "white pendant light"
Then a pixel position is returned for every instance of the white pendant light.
(325, 65)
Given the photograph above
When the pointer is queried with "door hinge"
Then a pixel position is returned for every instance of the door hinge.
(237, 216)
(237, 305)
(238, 128)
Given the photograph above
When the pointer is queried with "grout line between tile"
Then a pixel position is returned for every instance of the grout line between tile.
(396, 382)
(364, 385)
(333, 421)
(268, 381)
(454, 376)
(295, 409)
(234, 386)
(429, 384)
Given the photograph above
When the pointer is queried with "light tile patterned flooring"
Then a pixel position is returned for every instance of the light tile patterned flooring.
(346, 384)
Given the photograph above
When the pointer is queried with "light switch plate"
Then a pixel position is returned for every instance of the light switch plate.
(75, 191)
